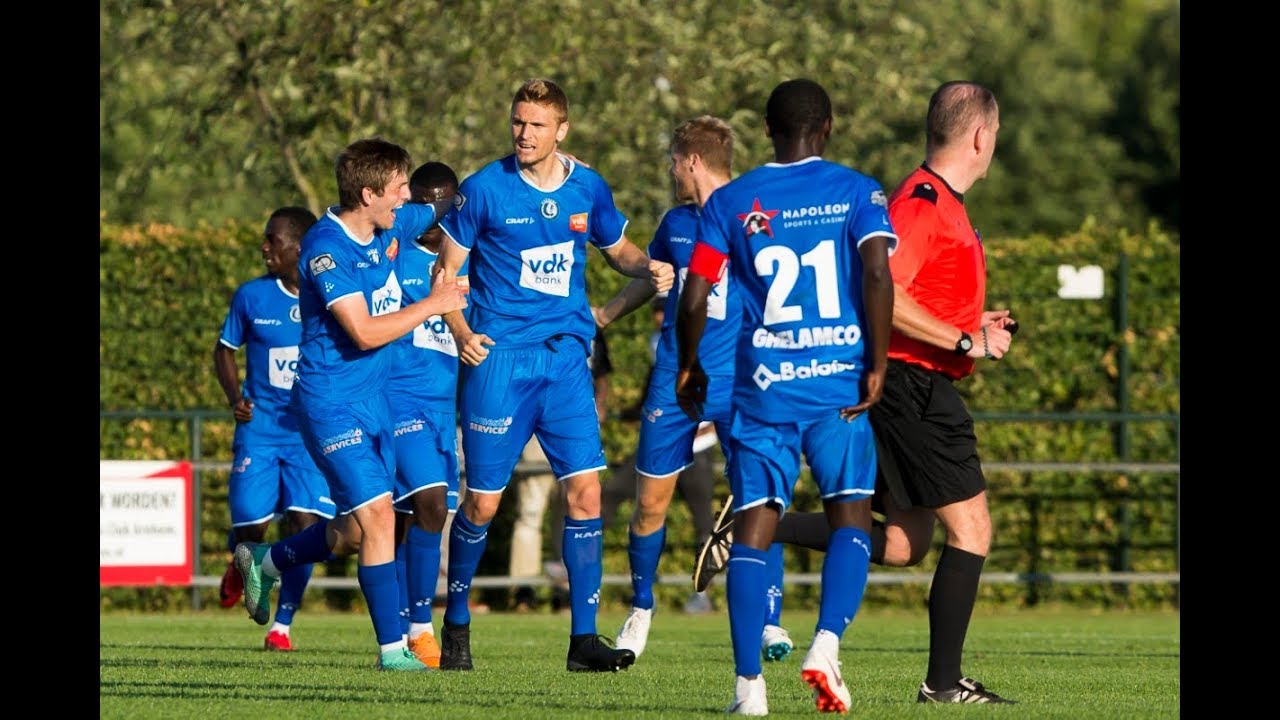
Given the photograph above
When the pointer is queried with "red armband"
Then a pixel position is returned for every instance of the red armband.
(708, 262)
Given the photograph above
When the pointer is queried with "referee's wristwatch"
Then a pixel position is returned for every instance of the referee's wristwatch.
(964, 344)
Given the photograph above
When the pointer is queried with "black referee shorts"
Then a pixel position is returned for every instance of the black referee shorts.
(924, 439)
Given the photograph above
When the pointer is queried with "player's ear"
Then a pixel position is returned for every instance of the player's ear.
(562, 131)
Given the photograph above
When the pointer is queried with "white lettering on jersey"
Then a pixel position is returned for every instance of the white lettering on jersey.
(386, 299)
(546, 269)
(283, 366)
(787, 372)
(434, 335)
(806, 337)
(717, 299)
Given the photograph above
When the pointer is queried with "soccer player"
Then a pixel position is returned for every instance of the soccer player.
(423, 394)
(701, 162)
(272, 473)
(351, 304)
(806, 244)
(524, 221)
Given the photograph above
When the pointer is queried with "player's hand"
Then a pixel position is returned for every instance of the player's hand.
(447, 295)
(574, 158)
(872, 389)
(691, 391)
(471, 348)
(243, 410)
(661, 276)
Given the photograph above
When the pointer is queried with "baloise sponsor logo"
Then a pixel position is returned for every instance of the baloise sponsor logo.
(787, 372)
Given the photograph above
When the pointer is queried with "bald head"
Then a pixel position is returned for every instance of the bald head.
(955, 108)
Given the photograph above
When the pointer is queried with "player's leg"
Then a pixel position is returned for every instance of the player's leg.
(497, 420)
(569, 431)
(533, 494)
(696, 485)
(304, 497)
(664, 451)
(842, 459)
(252, 499)
(426, 468)
(764, 461)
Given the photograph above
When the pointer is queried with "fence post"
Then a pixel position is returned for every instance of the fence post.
(197, 506)
(1124, 513)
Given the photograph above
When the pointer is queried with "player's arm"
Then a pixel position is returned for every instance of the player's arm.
(373, 331)
(631, 261)
(471, 345)
(878, 303)
(706, 267)
(631, 296)
(224, 366)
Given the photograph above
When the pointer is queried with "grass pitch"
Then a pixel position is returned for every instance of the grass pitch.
(1056, 663)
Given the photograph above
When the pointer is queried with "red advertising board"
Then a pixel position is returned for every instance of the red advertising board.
(145, 523)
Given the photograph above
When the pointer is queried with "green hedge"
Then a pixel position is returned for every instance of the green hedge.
(164, 292)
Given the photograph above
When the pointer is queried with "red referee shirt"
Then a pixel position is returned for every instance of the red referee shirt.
(940, 264)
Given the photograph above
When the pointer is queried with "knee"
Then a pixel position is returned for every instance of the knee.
(903, 550)
(480, 508)
(582, 496)
(651, 512)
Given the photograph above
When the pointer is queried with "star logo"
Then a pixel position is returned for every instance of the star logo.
(757, 220)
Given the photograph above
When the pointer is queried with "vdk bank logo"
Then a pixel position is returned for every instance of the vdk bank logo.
(546, 268)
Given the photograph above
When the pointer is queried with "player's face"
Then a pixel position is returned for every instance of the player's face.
(383, 207)
(279, 247)
(535, 132)
(682, 177)
(430, 193)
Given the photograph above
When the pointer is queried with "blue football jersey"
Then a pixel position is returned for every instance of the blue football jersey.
(264, 320)
(673, 243)
(791, 233)
(334, 264)
(425, 362)
(528, 250)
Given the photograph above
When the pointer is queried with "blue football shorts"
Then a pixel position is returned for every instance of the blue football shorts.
(765, 461)
(353, 446)
(666, 433)
(543, 389)
(268, 479)
(426, 440)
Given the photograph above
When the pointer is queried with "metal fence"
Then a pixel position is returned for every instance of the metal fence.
(1036, 503)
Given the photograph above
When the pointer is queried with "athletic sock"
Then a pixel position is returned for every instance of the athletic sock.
(806, 529)
(382, 595)
(423, 557)
(304, 548)
(844, 578)
(583, 548)
(402, 579)
(644, 551)
(466, 545)
(293, 583)
(955, 589)
(744, 585)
